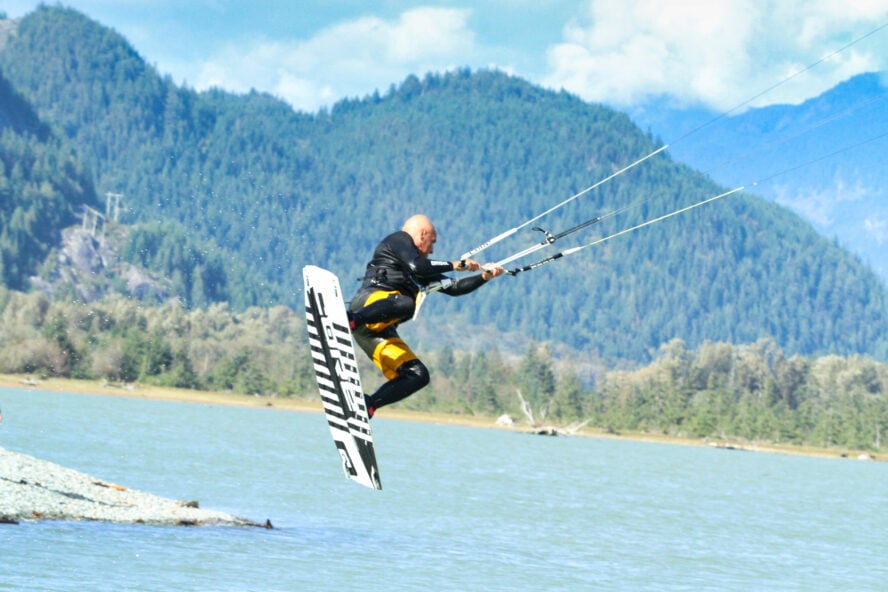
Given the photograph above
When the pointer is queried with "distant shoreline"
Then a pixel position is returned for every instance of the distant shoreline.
(142, 391)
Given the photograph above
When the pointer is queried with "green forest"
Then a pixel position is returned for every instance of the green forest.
(740, 393)
(735, 321)
(259, 190)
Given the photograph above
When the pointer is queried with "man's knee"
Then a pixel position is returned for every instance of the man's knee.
(411, 377)
(416, 372)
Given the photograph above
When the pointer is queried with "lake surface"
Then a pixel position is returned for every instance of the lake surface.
(461, 508)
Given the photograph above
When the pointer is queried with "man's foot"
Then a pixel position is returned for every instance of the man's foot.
(370, 408)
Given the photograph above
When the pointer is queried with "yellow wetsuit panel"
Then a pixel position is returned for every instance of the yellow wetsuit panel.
(380, 295)
(390, 354)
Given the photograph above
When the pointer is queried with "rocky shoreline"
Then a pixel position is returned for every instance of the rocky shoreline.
(32, 489)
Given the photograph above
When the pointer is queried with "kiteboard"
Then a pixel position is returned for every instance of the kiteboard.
(339, 381)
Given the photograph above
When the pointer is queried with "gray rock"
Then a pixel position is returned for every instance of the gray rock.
(33, 489)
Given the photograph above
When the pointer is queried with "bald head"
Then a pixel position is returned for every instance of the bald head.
(423, 233)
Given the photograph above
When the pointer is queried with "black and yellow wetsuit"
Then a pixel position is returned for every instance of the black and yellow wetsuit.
(387, 297)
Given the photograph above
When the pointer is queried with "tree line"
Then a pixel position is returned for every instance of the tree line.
(752, 392)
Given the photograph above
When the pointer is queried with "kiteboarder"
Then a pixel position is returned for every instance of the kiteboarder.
(392, 286)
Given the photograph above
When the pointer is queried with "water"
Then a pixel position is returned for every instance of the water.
(461, 509)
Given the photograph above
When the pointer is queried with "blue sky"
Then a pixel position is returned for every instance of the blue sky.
(311, 53)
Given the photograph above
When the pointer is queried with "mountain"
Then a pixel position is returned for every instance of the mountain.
(267, 190)
(843, 196)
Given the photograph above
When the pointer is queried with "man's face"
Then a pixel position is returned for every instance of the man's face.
(427, 241)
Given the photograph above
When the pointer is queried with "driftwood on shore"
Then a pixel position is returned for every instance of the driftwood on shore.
(32, 489)
(547, 429)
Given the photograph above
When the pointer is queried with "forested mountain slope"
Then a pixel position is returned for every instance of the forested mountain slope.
(42, 187)
(480, 153)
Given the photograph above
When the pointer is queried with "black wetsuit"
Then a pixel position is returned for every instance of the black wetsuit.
(387, 297)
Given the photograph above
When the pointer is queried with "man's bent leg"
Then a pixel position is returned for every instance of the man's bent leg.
(405, 373)
(411, 377)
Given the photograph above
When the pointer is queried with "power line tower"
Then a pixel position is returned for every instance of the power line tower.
(112, 206)
(93, 222)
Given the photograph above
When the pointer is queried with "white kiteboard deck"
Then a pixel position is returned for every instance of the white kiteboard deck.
(336, 370)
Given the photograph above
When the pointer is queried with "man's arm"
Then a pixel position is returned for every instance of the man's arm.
(471, 283)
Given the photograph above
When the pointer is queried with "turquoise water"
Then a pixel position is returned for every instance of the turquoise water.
(461, 508)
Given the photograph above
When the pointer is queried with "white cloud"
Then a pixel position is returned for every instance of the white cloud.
(716, 52)
(877, 229)
(821, 206)
(816, 207)
(349, 59)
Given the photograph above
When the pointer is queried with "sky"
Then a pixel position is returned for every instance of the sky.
(313, 53)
